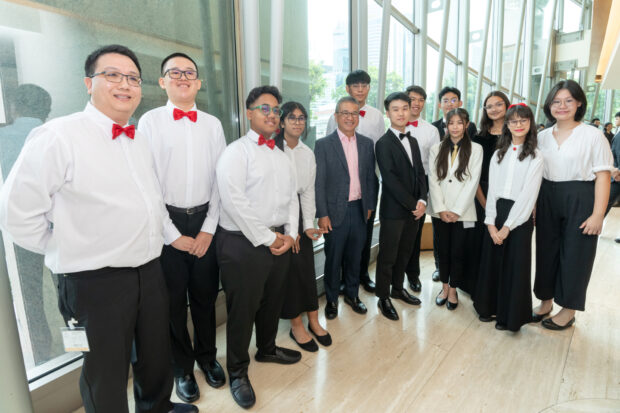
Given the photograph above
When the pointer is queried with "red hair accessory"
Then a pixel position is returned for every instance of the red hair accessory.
(517, 104)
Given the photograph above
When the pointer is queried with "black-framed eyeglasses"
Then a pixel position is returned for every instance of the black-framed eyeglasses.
(293, 119)
(117, 77)
(178, 73)
(348, 114)
(267, 109)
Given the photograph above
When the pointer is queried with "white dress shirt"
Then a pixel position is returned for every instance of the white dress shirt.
(581, 155)
(516, 180)
(185, 155)
(304, 162)
(371, 125)
(427, 135)
(84, 200)
(257, 190)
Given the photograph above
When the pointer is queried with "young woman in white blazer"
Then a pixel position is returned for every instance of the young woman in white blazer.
(453, 179)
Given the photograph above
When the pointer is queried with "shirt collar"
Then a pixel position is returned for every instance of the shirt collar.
(397, 132)
(171, 107)
(458, 145)
(344, 137)
(99, 117)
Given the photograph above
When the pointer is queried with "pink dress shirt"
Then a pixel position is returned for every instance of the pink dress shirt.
(350, 152)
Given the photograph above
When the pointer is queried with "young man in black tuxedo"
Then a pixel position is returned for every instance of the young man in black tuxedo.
(403, 203)
(450, 98)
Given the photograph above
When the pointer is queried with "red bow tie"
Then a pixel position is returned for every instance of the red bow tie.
(362, 113)
(179, 114)
(414, 123)
(269, 142)
(117, 130)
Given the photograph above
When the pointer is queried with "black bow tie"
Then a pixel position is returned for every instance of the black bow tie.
(404, 135)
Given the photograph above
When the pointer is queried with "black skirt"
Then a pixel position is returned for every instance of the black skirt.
(504, 285)
(300, 290)
(564, 255)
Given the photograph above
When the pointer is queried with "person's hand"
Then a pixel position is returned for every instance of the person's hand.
(325, 225)
(313, 233)
(502, 234)
(369, 214)
(493, 233)
(593, 225)
(453, 217)
(287, 243)
(295, 249)
(277, 243)
(201, 244)
(420, 210)
(445, 216)
(615, 174)
(183, 243)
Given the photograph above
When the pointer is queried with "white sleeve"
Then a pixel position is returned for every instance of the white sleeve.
(291, 227)
(231, 173)
(213, 215)
(171, 232)
(434, 186)
(524, 204)
(44, 165)
(308, 205)
(490, 212)
(602, 158)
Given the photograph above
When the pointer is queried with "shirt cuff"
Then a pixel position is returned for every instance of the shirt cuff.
(171, 234)
(271, 240)
(209, 226)
(601, 168)
(489, 220)
(308, 224)
(423, 201)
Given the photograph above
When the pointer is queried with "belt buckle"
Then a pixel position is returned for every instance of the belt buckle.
(190, 211)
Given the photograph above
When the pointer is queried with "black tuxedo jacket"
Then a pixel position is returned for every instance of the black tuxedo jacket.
(471, 129)
(404, 183)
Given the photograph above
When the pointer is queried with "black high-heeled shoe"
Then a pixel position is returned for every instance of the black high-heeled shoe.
(440, 301)
(450, 305)
(537, 318)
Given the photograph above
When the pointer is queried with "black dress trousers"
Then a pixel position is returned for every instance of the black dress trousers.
(197, 278)
(254, 282)
(300, 292)
(451, 248)
(121, 308)
(504, 286)
(396, 242)
(370, 227)
(413, 266)
(564, 255)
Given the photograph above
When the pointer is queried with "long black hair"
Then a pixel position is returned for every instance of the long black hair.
(485, 123)
(531, 141)
(442, 164)
(285, 110)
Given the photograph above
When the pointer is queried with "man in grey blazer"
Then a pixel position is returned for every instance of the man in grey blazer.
(345, 198)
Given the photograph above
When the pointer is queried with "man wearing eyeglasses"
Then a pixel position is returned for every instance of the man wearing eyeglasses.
(258, 226)
(186, 145)
(371, 125)
(450, 98)
(346, 197)
(84, 193)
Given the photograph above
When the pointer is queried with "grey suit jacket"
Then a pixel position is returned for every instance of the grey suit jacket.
(332, 177)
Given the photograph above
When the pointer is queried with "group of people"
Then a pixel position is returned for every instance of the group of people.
(141, 221)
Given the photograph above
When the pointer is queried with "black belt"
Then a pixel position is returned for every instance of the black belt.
(188, 211)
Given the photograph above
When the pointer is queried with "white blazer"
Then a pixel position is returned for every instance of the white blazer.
(450, 194)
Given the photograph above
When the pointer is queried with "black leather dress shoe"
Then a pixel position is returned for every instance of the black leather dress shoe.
(356, 304)
(242, 391)
(331, 310)
(187, 388)
(405, 296)
(536, 318)
(436, 274)
(369, 285)
(451, 306)
(440, 301)
(486, 319)
(416, 285)
(325, 340)
(183, 408)
(500, 327)
(214, 373)
(308, 346)
(387, 309)
(281, 356)
(549, 324)
(341, 289)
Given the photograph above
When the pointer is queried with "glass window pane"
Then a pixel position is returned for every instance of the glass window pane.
(404, 6)
(35, 33)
